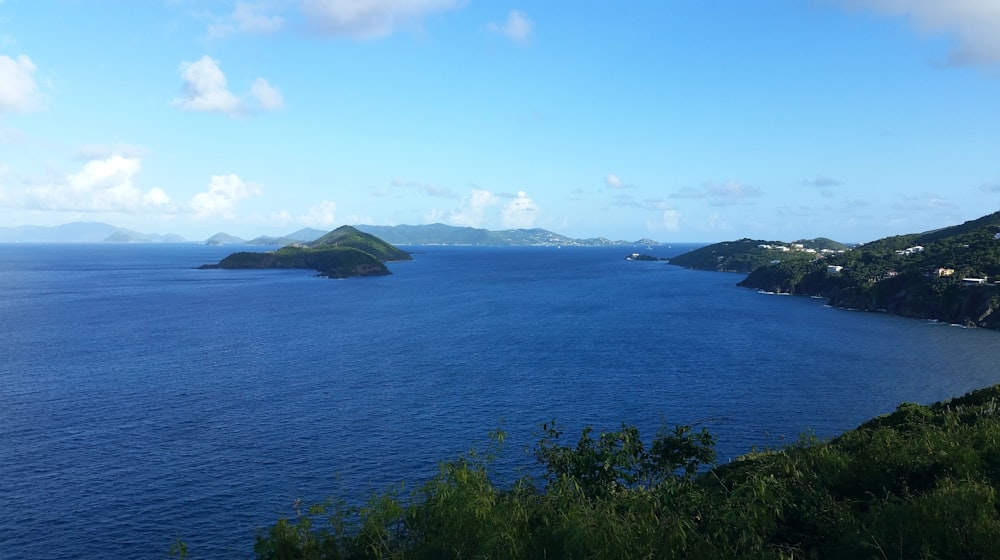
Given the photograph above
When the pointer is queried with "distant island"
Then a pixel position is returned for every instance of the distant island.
(950, 275)
(342, 253)
(642, 257)
(82, 232)
(441, 234)
(304, 235)
(427, 234)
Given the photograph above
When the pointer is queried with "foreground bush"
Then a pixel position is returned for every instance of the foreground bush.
(917, 483)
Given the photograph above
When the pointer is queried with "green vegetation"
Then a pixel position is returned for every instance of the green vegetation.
(347, 236)
(342, 253)
(917, 483)
(746, 255)
(915, 275)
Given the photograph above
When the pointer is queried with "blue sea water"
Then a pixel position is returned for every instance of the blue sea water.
(142, 400)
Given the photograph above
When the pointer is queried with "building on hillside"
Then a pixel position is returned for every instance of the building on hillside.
(834, 269)
(941, 272)
(973, 281)
(911, 250)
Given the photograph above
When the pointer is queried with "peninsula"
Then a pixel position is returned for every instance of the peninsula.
(341, 253)
(950, 275)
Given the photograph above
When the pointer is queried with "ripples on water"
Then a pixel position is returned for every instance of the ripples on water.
(142, 400)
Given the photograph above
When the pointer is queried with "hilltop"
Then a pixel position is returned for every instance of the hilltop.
(341, 253)
(746, 255)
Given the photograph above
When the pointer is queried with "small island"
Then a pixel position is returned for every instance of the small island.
(343, 253)
(641, 257)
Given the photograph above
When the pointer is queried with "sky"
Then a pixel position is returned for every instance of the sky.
(676, 120)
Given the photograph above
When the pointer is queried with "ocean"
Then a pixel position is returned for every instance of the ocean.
(144, 401)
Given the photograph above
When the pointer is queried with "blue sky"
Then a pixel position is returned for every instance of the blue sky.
(681, 120)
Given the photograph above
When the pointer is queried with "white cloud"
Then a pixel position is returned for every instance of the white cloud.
(205, 88)
(612, 181)
(520, 212)
(370, 19)
(323, 214)
(517, 28)
(433, 216)
(253, 18)
(18, 91)
(731, 193)
(668, 218)
(922, 202)
(103, 185)
(156, 197)
(472, 209)
(282, 218)
(268, 96)
(973, 24)
(822, 182)
(224, 191)
(428, 189)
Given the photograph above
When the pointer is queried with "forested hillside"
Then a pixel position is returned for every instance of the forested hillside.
(745, 255)
(950, 275)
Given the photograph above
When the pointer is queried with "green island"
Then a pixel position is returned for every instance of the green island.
(341, 253)
(917, 483)
(949, 275)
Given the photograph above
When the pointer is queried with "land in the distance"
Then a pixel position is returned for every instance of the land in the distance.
(950, 275)
(427, 234)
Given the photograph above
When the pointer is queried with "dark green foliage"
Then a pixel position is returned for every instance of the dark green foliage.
(342, 253)
(744, 255)
(347, 236)
(917, 483)
(875, 276)
(335, 262)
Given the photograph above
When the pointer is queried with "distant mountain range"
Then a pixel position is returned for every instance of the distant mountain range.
(82, 232)
(430, 234)
(441, 234)
(300, 236)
